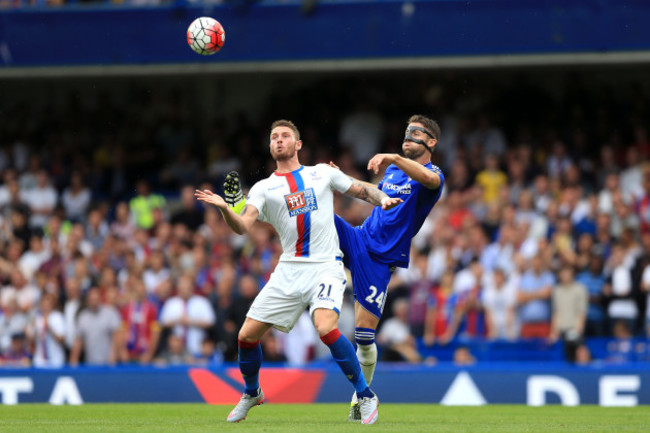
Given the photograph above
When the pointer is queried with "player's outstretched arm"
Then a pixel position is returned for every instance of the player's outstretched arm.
(240, 224)
(356, 180)
(372, 195)
(413, 169)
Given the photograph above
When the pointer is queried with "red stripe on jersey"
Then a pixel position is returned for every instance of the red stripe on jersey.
(300, 221)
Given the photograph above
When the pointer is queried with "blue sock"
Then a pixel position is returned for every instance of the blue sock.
(250, 361)
(345, 356)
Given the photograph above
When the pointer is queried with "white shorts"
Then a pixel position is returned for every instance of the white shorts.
(295, 286)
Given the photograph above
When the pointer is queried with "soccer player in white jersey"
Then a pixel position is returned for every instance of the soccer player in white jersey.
(298, 202)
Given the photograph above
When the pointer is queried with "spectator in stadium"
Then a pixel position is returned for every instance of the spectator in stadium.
(41, 199)
(187, 315)
(569, 300)
(271, 349)
(47, 332)
(142, 206)
(583, 355)
(210, 354)
(499, 301)
(156, 274)
(12, 321)
(175, 353)
(632, 177)
(535, 289)
(298, 346)
(35, 256)
(420, 289)
(123, 225)
(96, 229)
(17, 227)
(621, 348)
(25, 294)
(395, 336)
(498, 254)
(141, 330)
(618, 291)
(17, 355)
(440, 308)
(491, 179)
(71, 309)
(222, 300)
(558, 162)
(467, 317)
(592, 278)
(248, 288)
(98, 328)
(463, 357)
(76, 198)
(188, 214)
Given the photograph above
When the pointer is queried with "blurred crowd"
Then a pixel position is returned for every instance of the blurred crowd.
(106, 258)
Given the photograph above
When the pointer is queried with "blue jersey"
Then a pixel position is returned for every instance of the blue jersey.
(388, 234)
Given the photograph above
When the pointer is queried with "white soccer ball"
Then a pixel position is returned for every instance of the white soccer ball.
(206, 36)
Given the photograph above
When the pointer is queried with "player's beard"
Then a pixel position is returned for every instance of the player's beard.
(414, 151)
(288, 153)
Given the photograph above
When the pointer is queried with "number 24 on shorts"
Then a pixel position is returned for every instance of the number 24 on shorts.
(378, 299)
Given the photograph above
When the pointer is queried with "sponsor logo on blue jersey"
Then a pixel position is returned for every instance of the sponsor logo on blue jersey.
(399, 189)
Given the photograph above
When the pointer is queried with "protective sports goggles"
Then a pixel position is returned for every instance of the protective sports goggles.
(409, 137)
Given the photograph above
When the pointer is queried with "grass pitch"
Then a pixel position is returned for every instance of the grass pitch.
(316, 418)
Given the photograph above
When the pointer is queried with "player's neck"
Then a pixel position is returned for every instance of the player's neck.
(287, 166)
(423, 159)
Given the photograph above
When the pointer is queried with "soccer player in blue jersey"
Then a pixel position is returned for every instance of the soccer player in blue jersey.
(383, 241)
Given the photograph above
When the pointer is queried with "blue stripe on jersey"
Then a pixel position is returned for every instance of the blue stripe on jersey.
(306, 236)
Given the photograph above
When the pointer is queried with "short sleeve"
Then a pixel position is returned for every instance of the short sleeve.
(436, 170)
(256, 198)
(339, 181)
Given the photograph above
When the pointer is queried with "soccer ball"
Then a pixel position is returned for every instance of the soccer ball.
(206, 36)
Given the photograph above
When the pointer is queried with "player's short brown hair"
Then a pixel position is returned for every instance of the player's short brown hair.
(428, 123)
(289, 124)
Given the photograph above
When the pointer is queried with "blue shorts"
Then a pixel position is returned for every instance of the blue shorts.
(369, 277)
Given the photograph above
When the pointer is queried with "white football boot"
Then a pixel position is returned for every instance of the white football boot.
(355, 413)
(245, 404)
(368, 409)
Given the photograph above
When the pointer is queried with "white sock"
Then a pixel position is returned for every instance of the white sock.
(367, 354)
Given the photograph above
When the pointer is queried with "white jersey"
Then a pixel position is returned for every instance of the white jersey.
(300, 206)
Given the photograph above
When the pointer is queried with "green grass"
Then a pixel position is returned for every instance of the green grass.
(315, 418)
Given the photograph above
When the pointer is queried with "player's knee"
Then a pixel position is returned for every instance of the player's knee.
(326, 324)
(246, 336)
(325, 321)
(325, 329)
(366, 320)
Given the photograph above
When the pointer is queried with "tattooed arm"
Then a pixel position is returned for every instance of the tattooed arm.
(371, 194)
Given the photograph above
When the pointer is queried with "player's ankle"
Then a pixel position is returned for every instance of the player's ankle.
(366, 393)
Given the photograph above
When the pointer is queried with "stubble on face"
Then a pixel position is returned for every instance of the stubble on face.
(414, 150)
